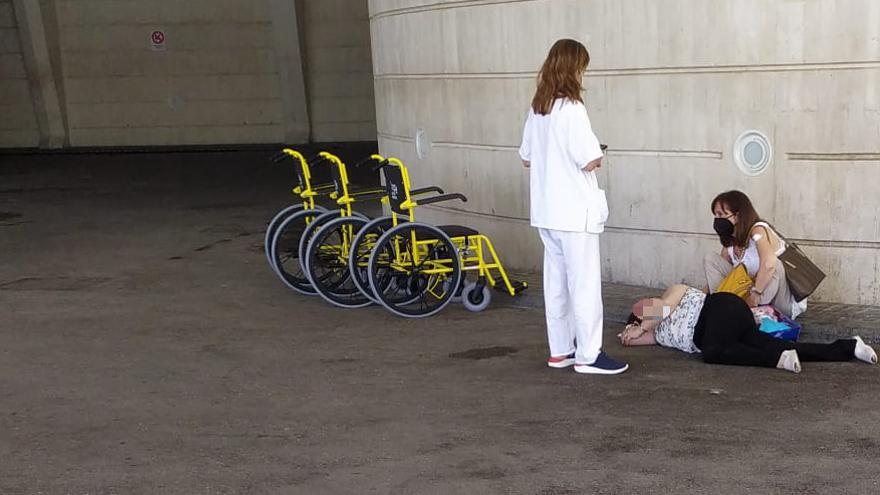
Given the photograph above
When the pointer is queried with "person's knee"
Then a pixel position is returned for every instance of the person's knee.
(711, 354)
(557, 309)
(713, 261)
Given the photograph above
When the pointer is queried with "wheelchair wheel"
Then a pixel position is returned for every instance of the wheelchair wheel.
(272, 227)
(316, 225)
(326, 263)
(285, 251)
(456, 295)
(421, 268)
(476, 297)
(361, 249)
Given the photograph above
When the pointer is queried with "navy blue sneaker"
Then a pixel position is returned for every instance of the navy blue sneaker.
(604, 365)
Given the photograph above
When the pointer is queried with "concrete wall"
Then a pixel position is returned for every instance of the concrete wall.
(19, 124)
(216, 81)
(339, 72)
(669, 92)
(85, 73)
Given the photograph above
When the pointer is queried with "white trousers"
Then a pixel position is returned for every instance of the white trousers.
(573, 294)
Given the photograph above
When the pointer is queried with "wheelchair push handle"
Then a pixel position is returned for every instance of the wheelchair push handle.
(380, 165)
(367, 160)
(277, 157)
(316, 160)
(424, 190)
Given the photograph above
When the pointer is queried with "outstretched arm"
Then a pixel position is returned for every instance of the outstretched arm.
(634, 335)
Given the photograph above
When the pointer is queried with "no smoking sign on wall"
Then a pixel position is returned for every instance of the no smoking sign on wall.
(157, 40)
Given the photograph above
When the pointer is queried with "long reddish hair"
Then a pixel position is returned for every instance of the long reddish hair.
(560, 76)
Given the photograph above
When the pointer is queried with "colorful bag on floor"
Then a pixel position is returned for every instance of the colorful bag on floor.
(736, 282)
(773, 322)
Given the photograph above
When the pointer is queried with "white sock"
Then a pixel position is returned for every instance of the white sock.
(865, 352)
(789, 361)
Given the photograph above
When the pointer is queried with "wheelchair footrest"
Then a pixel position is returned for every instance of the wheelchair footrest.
(518, 286)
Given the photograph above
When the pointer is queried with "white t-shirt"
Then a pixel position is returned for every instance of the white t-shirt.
(558, 146)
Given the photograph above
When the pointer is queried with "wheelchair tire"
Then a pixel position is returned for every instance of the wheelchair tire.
(272, 227)
(361, 249)
(475, 300)
(422, 288)
(316, 224)
(456, 296)
(326, 263)
(284, 250)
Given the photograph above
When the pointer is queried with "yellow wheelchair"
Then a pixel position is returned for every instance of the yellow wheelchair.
(286, 230)
(415, 269)
(325, 243)
(304, 210)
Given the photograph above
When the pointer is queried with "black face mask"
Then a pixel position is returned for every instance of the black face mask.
(723, 227)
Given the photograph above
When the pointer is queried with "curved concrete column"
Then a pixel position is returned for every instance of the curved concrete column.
(41, 73)
(670, 88)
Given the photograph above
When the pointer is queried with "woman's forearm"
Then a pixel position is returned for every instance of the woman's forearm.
(646, 338)
(764, 276)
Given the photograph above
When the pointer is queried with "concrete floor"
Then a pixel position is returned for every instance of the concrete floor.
(147, 348)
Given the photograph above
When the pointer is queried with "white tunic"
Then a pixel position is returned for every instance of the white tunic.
(558, 146)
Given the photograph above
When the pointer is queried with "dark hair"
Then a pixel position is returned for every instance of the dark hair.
(560, 76)
(633, 319)
(739, 204)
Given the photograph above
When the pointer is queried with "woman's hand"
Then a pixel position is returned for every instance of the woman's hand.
(754, 299)
(593, 165)
(630, 333)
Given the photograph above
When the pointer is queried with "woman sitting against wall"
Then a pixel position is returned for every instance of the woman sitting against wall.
(752, 242)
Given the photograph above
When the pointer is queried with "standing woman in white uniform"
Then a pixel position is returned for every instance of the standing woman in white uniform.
(562, 154)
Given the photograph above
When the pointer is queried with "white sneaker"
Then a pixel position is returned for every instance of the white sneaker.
(789, 361)
(864, 352)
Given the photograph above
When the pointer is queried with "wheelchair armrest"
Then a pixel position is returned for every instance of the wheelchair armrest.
(324, 187)
(365, 192)
(440, 198)
(368, 196)
(428, 189)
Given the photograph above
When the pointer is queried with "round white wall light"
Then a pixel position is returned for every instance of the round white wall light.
(752, 153)
(422, 144)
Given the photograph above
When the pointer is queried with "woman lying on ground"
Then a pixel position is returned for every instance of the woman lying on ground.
(722, 327)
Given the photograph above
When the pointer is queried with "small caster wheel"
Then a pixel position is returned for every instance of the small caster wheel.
(475, 299)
